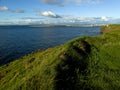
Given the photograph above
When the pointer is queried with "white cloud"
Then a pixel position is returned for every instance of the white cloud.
(4, 8)
(50, 14)
(104, 18)
(67, 2)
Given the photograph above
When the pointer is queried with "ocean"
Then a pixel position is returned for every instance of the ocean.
(17, 41)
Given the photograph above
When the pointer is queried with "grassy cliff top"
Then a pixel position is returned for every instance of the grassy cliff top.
(85, 63)
(108, 28)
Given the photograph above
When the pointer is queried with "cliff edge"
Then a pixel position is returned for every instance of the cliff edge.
(85, 63)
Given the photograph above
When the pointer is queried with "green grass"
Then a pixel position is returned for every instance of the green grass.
(85, 63)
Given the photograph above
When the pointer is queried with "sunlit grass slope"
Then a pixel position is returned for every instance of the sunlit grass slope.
(86, 63)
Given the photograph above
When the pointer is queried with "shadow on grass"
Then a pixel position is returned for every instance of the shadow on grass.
(71, 67)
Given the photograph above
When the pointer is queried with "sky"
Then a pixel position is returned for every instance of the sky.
(59, 11)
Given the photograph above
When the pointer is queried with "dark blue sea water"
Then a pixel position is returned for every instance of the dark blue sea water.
(16, 41)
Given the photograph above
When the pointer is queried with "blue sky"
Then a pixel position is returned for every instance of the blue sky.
(58, 11)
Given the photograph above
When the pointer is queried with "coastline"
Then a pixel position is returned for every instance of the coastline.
(82, 63)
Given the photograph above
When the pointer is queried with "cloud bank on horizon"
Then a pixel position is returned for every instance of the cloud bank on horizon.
(65, 20)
